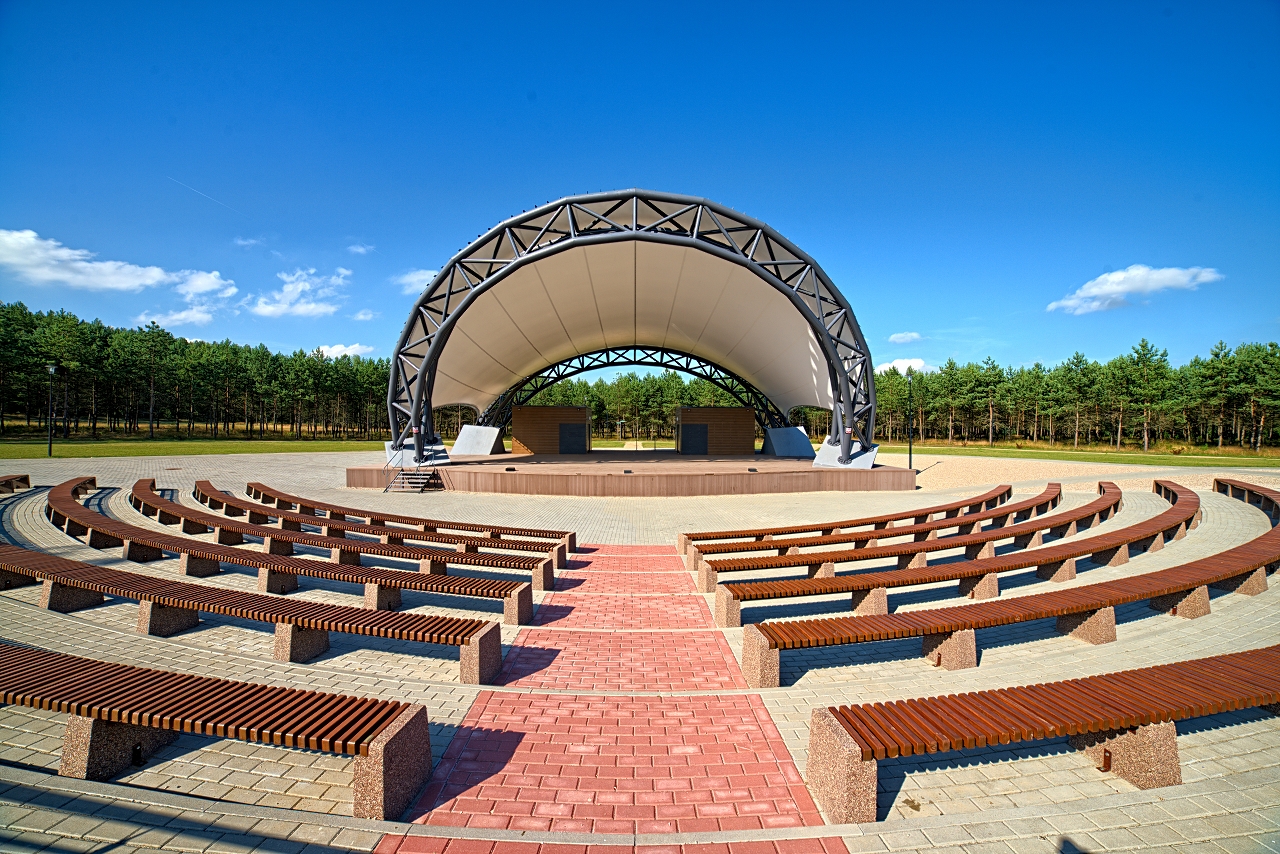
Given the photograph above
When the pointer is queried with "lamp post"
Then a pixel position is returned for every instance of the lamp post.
(52, 370)
(911, 422)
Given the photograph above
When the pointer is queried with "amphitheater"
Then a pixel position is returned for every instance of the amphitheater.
(622, 713)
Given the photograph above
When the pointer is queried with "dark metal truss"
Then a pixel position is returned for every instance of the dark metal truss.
(620, 216)
(767, 414)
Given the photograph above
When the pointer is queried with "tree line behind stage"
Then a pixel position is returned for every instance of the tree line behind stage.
(146, 381)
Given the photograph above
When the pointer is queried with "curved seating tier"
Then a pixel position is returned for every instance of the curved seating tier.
(975, 504)
(1086, 612)
(979, 579)
(10, 483)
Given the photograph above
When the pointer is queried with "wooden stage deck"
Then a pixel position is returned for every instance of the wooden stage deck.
(644, 473)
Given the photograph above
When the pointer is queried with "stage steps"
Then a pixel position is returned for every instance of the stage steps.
(415, 480)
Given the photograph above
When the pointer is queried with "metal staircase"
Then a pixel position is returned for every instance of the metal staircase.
(415, 480)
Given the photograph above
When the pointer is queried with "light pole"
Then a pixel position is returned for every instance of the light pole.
(52, 370)
(911, 422)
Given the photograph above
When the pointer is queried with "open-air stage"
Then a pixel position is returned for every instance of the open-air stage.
(644, 473)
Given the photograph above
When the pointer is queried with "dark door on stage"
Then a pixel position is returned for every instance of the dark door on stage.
(573, 438)
(693, 438)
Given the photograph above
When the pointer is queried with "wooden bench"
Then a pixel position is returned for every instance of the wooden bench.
(119, 715)
(1000, 517)
(914, 555)
(342, 550)
(1087, 613)
(976, 504)
(10, 483)
(215, 499)
(301, 628)
(1124, 723)
(308, 507)
(979, 579)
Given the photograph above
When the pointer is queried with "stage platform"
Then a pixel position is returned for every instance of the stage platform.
(662, 473)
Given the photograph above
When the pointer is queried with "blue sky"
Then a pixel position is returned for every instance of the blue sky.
(956, 168)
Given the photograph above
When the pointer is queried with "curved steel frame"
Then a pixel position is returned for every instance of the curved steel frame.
(767, 414)
(619, 216)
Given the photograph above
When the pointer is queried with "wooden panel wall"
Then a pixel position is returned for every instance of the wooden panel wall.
(536, 429)
(731, 430)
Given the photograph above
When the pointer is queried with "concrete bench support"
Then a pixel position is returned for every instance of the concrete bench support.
(728, 611)
(544, 576)
(190, 527)
(864, 603)
(1117, 556)
(141, 553)
(64, 599)
(379, 597)
(330, 531)
(274, 581)
(951, 650)
(480, 659)
(560, 554)
(1146, 756)
(228, 538)
(346, 556)
(761, 664)
(1154, 543)
(274, 546)
(917, 560)
(167, 518)
(198, 567)
(1089, 626)
(708, 578)
(693, 560)
(290, 525)
(162, 621)
(298, 644)
(841, 781)
(10, 580)
(466, 548)
(1029, 541)
(74, 528)
(386, 781)
(1060, 570)
(94, 749)
(102, 540)
(517, 608)
(432, 567)
(1068, 530)
(391, 540)
(980, 551)
(1249, 583)
(258, 518)
(1187, 604)
(981, 586)
(825, 570)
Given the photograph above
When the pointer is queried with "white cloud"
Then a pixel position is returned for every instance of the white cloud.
(1110, 290)
(247, 242)
(47, 262)
(415, 281)
(917, 365)
(200, 284)
(197, 314)
(361, 248)
(304, 294)
(335, 351)
(904, 337)
(364, 314)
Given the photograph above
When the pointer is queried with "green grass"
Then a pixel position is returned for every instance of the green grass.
(1133, 458)
(80, 448)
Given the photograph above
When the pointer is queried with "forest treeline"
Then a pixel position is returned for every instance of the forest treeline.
(146, 381)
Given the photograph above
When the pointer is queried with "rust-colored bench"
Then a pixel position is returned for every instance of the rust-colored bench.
(301, 628)
(979, 579)
(306, 506)
(1124, 723)
(10, 483)
(914, 555)
(119, 715)
(1087, 613)
(975, 504)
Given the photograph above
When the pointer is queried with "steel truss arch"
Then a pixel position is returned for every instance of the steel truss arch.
(767, 414)
(632, 215)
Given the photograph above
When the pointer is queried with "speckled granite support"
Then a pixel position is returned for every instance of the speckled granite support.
(386, 781)
(298, 644)
(865, 603)
(190, 527)
(198, 567)
(255, 518)
(64, 599)
(840, 780)
(102, 540)
(228, 538)
(791, 550)
(980, 551)
(141, 553)
(162, 621)
(276, 546)
(72, 528)
(94, 749)
(1111, 557)
(466, 548)
(1188, 604)
(682, 544)
(824, 570)
(1029, 541)
(728, 611)
(1089, 626)
(1068, 530)
(480, 659)
(391, 540)
(274, 581)
(517, 608)
(1154, 543)
(981, 586)
(344, 556)
(1248, 584)
(290, 525)
(708, 578)
(330, 531)
(951, 650)
(693, 559)
(380, 597)
(761, 665)
(544, 576)
(433, 567)
(916, 560)
(1146, 756)
(10, 580)
(559, 555)
(1059, 570)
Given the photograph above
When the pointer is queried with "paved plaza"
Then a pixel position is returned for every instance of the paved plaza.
(621, 716)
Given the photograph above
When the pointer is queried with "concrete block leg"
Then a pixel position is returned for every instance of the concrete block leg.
(560, 554)
(480, 658)
(544, 576)
(571, 541)
(274, 581)
(1188, 604)
(825, 570)
(682, 544)
(761, 663)
(276, 546)
(385, 782)
(379, 597)
(10, 580)
(917, 560)
(1029, 541)
(94, 749)
(345, 556)
(228, 538)
(290, 525)
(867, 602)
(1146, 756)
(692, 559)
(432, 567)
(1117, 556)
(951, 650)
(1249, 583)
(467, 548)
(1153, 544)
(708, 578)
(981, 586)
(189, 527)
(390, 540)
(791, 550)
(517, 608)
(141, 553)
(198, 567)
(162, 621)
(101, 540)
(1059, 570)
(335, 533)
(64, 599)
(980, 551)
(75, 529)
(1094, 627)
(296, 644)
(728, 610)
(840, 780)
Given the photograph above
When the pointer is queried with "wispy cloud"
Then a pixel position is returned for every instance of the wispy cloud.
(248, 242)
(304, 294)
(335, 351)
(904, 337)
(361, 248)
(41, 261)
(364, 314)
(1111, 290)
(415, 281)
(198, 315)
(901, 365)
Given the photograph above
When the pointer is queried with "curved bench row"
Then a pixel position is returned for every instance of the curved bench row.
(914, 555)
(10, 483)
(1086, 612)
(979, 579)
(976, 504)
